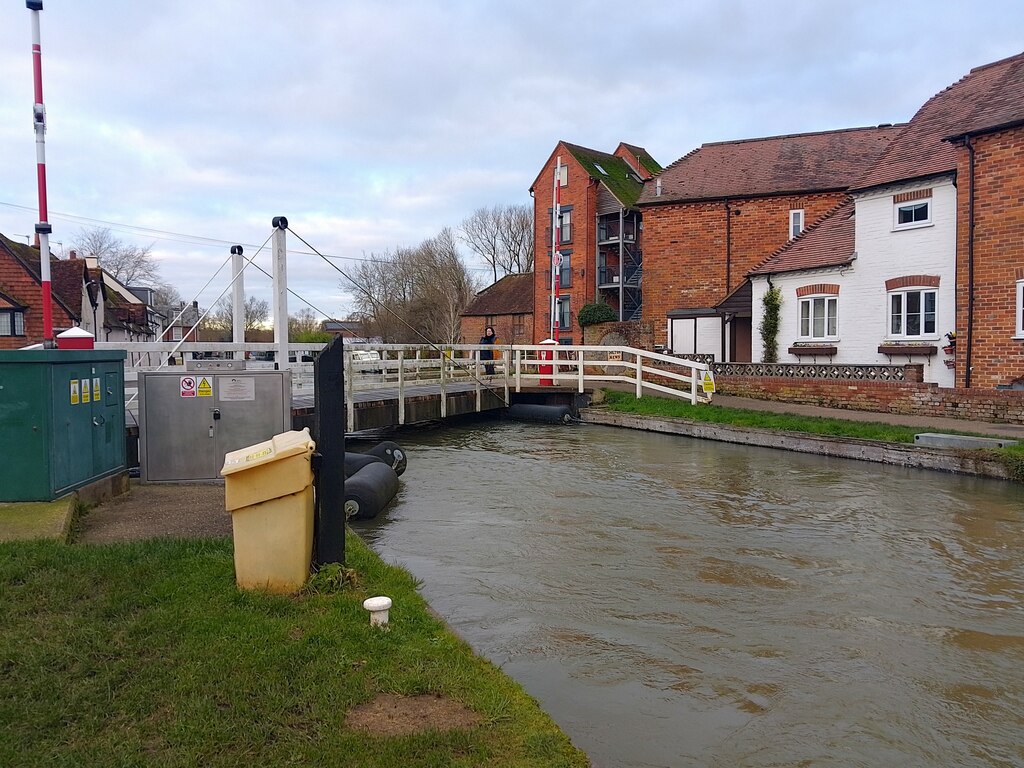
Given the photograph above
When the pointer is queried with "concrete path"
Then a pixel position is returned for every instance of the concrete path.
(924, 423)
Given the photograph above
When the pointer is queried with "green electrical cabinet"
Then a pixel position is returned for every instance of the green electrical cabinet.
(61, 420)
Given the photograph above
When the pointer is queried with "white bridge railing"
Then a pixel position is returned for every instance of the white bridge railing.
(411, 370)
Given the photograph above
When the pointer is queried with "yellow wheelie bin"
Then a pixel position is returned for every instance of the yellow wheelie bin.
(268, 489)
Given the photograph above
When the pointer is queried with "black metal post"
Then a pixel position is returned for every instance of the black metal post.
(329, 409)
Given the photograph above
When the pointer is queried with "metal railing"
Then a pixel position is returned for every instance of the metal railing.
(404, 371)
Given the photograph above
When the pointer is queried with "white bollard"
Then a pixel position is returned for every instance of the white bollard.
(378, 608)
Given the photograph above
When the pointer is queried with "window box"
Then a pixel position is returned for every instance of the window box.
(817, 350)
(926, 350)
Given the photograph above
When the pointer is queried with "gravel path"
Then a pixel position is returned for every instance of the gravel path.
(153, 510)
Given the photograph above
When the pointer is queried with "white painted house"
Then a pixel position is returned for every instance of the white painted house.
(873, 282)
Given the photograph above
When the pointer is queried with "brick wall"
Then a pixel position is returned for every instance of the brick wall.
(633, 333)
(581, 194)
(473, 329)
(685, 248)
(996, 357)
(882, 397)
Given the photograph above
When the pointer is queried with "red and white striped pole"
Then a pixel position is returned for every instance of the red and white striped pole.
(556, 253)
(43, 228)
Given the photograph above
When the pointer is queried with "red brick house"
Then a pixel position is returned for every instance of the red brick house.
(506, 306)
(599, 234)
(21, 316)
(716, 213)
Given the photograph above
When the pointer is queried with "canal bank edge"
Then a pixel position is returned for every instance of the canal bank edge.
(964, 462)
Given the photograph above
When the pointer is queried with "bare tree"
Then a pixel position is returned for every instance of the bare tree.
(304, 326)
(502, 236)
(414, 294)
(130, 264)
(255, 312)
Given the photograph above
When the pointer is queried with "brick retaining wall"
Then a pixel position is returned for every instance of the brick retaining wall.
(881, 397)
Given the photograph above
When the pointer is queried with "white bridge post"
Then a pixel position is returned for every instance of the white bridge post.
(280, 273)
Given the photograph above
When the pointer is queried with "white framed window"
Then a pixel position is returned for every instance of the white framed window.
(1019, 333)
(819, 317)
(912, 313)
(176, 333)
(911, 214)
(12, 322)
(563, 176)
(796, 222)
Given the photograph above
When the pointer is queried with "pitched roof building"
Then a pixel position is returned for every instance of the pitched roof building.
(599, 234)
(507, 306)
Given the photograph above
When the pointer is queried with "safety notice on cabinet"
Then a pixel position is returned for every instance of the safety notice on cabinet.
(236, 388)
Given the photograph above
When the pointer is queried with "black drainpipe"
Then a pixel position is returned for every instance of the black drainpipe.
(728, 246)
(970, 260)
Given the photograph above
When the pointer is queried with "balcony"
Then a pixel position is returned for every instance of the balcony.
(608, 277)
(610, 234)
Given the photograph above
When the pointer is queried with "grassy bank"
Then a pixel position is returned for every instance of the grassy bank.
(1012, 458)
(147, 654)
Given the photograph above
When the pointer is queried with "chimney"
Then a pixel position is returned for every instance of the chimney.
(73, 254)
(657, 187)
(35, 243)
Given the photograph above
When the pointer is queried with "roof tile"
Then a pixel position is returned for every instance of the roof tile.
(988, 98)
(797, 163)
(512, 295)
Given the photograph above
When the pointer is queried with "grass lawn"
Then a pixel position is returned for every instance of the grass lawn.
(147, 654)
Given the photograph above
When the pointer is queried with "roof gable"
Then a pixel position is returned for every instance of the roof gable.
(829, 242)
(988, 98)
(511, 295)
(776, 165)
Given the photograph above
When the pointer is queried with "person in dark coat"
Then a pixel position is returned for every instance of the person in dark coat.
(487, 354)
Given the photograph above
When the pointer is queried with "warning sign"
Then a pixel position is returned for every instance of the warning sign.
(188, 386)
(85, 391)
(74, 391)
(708, 383)
(205, 387)
(96, 389)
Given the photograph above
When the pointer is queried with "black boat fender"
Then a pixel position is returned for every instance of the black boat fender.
(370, 490)
(356, 461)
(552, 414)
(392, 454)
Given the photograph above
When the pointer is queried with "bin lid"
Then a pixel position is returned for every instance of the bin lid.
(278, 447)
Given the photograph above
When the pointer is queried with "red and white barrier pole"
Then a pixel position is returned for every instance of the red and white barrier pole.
(43, 228)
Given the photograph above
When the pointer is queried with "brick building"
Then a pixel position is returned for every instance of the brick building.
(718, 212)
(506, 306)
(599, 234)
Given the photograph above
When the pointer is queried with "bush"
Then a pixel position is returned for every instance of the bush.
(592, 314)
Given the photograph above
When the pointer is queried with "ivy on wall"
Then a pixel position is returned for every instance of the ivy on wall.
(770, 324)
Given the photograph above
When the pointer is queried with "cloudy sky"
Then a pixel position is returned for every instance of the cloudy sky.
(371, 125)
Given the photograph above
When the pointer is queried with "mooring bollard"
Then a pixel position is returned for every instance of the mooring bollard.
(378, 608)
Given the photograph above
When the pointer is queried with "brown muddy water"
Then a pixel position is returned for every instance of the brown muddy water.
(678, 602)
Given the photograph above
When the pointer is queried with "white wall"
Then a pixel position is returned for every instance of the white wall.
(882, 254)
(696, 335)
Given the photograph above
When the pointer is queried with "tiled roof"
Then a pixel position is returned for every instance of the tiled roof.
(828, 243)
(618, 177)
(990, 97)
(512, 295)
(68, 297)
(67, 280)
(797, 163)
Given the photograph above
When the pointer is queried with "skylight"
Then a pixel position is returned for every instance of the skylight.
(602, 170)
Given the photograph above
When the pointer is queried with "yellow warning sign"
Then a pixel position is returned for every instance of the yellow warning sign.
(708, 383)
(85, 391)
(205, 388)
(96, 389)
(74, 391)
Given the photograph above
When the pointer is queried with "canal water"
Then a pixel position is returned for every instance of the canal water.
(678, 602)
